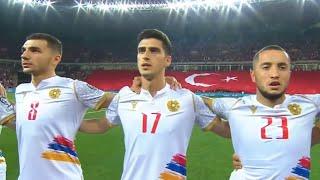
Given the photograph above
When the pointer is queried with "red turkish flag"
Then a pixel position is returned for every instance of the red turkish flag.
(199, 81)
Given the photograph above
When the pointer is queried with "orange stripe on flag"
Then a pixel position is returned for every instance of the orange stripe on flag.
(170, 176)
(60, 157)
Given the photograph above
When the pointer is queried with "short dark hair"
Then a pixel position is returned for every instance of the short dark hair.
(267, 48)
(159, 35)
(53, 42)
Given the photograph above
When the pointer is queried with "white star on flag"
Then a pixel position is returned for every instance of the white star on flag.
(227, 79)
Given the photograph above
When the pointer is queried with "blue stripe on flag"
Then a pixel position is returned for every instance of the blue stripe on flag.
(177, 168)
(303, 172)
(65, 149)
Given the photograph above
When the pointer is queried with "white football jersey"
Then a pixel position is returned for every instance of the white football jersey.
(272, 143)
(157, 130)
(47, 119)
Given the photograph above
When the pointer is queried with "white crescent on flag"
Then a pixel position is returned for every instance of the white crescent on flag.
(190, 79)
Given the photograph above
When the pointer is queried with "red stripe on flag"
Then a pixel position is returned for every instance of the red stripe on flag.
(180, 159)
(64, 141)
(305, 162)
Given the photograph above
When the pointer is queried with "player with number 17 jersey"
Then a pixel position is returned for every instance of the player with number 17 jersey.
(157, 130)
(47, 119)
(273, 143)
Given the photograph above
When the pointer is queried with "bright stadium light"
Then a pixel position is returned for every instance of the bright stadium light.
(123, 7)
(79, 5)
(48, 3)
(27, 1)
(126, 5)
(103, 7)
(89, 5)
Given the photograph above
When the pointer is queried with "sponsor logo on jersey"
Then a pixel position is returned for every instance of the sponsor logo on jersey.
(61, 149)
(173, 105)
(303, 168)
(54, 93)
(134, 104)
(253, 109)
(295, 109)
(176, 169)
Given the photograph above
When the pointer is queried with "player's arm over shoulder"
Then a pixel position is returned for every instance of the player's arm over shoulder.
(102, 125)
(208, 119)
(91, 96)
(95, 126)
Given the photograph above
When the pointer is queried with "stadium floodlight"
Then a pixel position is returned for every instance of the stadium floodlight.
(89, 5)
(79, 5)
(25, 2)
(124, 5)
(103, 6)
(48, 3)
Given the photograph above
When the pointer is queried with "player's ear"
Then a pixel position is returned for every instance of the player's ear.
(168, 60)
(252, 75)
(56, 59)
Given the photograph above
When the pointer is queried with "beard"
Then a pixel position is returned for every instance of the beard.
(271, 96)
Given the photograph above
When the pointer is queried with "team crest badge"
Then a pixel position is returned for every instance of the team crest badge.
(134, 104)
(54, 93)
(173, 105)
(253, 109)
(295, 109)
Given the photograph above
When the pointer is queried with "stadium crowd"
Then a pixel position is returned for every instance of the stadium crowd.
(8, 76)
(200, 50)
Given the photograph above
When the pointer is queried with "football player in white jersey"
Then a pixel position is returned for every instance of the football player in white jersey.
(271, 131)
(158, 122)
(49, 112)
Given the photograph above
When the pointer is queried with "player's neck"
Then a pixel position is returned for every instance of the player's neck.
(153, 85)
(37, 78)
(270, 102)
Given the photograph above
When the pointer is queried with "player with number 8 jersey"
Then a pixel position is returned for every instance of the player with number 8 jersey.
(47, 119)
(49, 112)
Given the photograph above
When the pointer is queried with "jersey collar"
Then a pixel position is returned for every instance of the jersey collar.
(256, 102)
(160, 92)
(45, 82)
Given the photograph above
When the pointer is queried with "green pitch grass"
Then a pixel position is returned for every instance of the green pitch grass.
(101, 156)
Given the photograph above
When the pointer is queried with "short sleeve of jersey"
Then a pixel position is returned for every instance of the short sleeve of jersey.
(88, 95)
(204, 116)
(315, 98)
(112, 111)
(221, 106)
